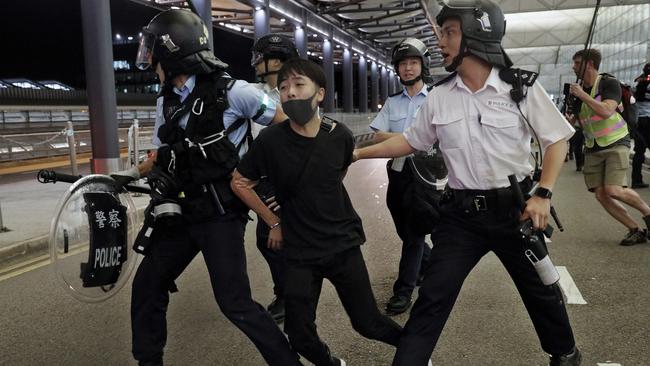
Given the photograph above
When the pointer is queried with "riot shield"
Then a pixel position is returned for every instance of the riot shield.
(91, 239)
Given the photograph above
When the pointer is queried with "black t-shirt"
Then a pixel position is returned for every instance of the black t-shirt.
(609, 88)
(317, 215)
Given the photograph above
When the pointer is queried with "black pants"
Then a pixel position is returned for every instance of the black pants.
(577, 148)
(641, 143)
(347, 272)
(222, 244)
(462, 239)
(275, 258)
(414, 249)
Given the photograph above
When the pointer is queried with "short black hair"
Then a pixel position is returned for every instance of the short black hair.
(590, 54)
(303, 67)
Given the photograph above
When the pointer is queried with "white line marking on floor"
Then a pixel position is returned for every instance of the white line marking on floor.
(608, 364)
(573, 295)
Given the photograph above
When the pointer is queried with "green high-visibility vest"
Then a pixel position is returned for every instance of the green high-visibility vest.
(604, 131)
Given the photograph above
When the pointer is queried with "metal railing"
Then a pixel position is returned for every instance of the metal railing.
(15, 147)
(73, 139)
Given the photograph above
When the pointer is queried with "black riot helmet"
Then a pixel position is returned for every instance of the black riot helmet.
(483, 26)
(411, 47)
(272, 46)
(178, 40)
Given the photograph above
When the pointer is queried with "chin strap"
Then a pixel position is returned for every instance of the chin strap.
(410, 82)
(459, 58)
(266, 72)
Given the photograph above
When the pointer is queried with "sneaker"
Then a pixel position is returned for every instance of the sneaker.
(570, 359)
(578, 169)
(640, 185)
(276, 309)
(635, 236)
(398, 304)
(340, 360)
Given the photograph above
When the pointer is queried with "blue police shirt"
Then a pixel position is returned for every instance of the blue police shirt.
(399, 111)
(244, 100)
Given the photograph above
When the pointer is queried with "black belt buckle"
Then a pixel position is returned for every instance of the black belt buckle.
(480, 203)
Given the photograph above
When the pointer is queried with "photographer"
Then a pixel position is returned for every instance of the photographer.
(190, 179)
(484, 139)
(607, 139)
(642, 137)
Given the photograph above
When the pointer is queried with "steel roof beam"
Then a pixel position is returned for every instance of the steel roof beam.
(333, 9)
(369, 20)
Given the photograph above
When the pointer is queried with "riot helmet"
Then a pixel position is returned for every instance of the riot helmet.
(178, 40)
(272, 46)
(483, 26)
(412, 47)
(646, 69)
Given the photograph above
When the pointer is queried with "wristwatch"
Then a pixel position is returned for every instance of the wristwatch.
(543, 192)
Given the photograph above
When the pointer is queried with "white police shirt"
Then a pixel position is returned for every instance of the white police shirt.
(397, 114)
(273, 94)
(482, 136)
(244, 101)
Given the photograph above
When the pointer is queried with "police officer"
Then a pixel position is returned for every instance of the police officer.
(484, 138)
(192, 171)
(410, 59)
(269, 54)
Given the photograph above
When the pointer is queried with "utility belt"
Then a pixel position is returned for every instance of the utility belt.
(473, 201)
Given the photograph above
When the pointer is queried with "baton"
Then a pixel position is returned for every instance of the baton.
(50, 176)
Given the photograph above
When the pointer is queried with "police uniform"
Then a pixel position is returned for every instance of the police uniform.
(396, 115)
(220, 238)
(275, 258)
(483, 140)
(273, 94)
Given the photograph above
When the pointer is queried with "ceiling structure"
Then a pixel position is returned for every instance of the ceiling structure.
(536, 29)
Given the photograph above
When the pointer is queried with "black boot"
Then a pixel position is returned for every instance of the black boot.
(572, 358)
(276, 309)
(398, 304)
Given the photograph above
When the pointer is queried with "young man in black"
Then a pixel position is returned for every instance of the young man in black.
(306, 159)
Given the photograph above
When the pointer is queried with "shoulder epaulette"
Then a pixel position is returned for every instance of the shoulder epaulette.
(429, 88)
(396, 94)
(445, 79)
(511, 76)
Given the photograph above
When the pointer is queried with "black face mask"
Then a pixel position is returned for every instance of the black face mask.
(300, 111)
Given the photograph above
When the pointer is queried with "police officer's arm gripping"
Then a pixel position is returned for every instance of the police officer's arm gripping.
(243, 188)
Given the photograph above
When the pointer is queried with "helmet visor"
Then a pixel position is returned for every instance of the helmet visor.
(256, 58)
(462, 4)
(145, 51)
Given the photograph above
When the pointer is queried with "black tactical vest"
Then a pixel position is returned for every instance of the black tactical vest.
(200, 157)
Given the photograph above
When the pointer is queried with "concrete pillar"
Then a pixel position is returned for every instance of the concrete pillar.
(100, 85)
(391, 83)
(363, 85)
(204, 8)
(348, 87)
(374, 87)
(300, 38)
(328, 67)
(384, 85)
(261, 20)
